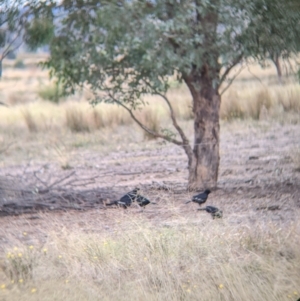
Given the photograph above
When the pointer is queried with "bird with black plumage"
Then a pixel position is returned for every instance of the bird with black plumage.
(214, 211)
(130, 197)
(200, 198)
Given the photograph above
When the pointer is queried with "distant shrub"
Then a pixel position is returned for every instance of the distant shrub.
(19, 64)
(52, 92)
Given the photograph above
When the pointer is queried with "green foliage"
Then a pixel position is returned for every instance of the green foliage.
(19, 64)
(39, 32)
(52, 92)
(10, 26)
(273, 30)
(129, 49)
(30, 22)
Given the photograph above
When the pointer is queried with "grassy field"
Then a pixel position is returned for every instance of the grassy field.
(170, 251)
(134, 259)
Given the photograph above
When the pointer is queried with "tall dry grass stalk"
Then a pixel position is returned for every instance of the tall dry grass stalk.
(136, 260)
(76, 120)
(250, 104)
(30, 122)
(291, 101)
(150, 118)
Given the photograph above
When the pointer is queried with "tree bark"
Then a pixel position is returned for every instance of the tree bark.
(275, 59)
(204, 162)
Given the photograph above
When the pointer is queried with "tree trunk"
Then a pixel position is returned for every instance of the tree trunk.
(204, 162)
(275, 59)
(203, 83)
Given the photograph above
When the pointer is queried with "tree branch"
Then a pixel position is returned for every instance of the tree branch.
(173, 118)
(155, 134)
(232, 80)
(7, 48)
(186, 143)
(229, 68)
(256, 77)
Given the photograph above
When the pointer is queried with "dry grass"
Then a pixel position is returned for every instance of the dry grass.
(150, 118)
(246, 98)
(295, 156)
(290, 103)
(97, 120)
(76, 121)
(231, 108)
(30, 122)
(136, 260)
(248, 103)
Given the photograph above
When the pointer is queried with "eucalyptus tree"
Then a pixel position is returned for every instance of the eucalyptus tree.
(275, 32)
(9, 29)
(123, 50)
(20, 22)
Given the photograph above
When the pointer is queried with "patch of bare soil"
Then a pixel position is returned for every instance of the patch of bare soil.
(257, 180)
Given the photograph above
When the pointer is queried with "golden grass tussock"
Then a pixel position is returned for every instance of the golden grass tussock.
(136, 260)
(30, 122)
(23, 90)
(76, 120)
(150, 118)
(248, 103)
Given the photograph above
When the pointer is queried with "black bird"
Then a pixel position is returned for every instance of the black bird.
(127, 199)
(132, 196)
(214, 211)
(200, 198)
(142, 201)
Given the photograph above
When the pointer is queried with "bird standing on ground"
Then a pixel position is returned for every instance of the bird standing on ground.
(132, 196)
(142, 201)
(200, 198)
(214, 211)
(126, 200)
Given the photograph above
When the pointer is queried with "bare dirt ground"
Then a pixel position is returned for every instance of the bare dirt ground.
(257, 170)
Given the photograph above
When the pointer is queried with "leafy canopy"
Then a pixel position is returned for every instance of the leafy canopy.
(31, 23)
(124, 49)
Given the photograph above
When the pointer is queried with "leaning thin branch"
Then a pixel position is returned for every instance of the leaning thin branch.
(229, 68)
(255, 76)
(232, 80)
(8, 48)
(185, 140)
(154, 134)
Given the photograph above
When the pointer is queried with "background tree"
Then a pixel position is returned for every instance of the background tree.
(10, 32)
(124, 50)
(19, 23)
(266, 28)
